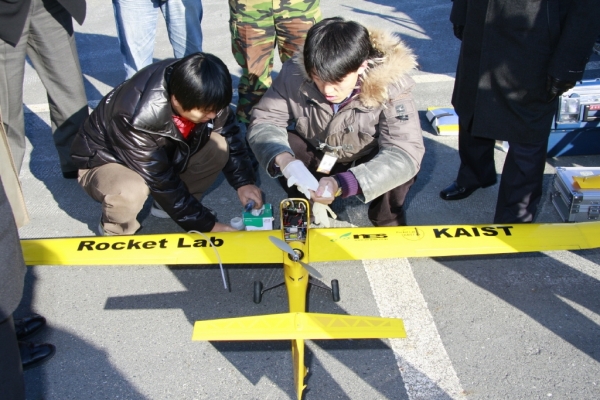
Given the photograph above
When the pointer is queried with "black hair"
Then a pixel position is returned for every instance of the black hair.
(335, 47)
(201, 80)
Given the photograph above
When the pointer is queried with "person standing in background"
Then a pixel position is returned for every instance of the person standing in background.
(136, 29)
(256, 27)
(43, 31)
(12, 275)
(15, 354)
(516, 59)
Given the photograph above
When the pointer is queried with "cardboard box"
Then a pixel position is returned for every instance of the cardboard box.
(443, 119)
(261, 222)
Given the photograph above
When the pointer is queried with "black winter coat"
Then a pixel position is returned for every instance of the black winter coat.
(509, 48)
(133, 125)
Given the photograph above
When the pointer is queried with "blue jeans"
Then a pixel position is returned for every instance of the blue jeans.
(136, 29)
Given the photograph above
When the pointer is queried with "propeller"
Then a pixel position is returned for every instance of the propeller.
(283, 246)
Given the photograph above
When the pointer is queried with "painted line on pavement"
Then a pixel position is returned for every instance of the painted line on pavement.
(433, 78)
(422, 359)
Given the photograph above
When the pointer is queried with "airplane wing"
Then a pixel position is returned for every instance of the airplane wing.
(334, 244)
(290, 326)
(171, 249)
(448, 240)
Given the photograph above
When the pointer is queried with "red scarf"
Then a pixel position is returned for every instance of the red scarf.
(185, 126)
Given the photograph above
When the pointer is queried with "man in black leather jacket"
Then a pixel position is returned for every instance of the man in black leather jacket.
(169, 132)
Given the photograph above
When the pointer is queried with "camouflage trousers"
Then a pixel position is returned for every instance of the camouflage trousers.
(256, 27)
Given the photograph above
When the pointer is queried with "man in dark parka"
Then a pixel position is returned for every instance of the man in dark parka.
(517, 57)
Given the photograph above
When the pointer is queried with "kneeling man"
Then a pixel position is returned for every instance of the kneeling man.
(343, 112)
(168, 131)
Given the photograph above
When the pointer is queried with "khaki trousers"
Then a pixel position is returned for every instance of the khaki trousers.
(48, 41)
(123, 192)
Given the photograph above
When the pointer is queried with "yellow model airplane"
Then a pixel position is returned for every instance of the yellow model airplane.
(295, 244)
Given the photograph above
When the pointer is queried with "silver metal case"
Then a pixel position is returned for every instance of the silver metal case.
(572, 203)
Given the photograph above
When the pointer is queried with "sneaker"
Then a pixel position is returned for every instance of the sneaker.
(101, 230)
(157, 211)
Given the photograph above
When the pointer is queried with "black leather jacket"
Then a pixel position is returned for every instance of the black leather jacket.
(133, 126)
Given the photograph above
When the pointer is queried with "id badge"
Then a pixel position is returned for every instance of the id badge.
(327, 163)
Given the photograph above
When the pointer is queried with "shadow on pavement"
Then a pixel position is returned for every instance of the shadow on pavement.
(96, 376)
(272, 360)
(543, 288)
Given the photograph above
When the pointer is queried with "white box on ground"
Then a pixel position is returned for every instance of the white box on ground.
(259, 220)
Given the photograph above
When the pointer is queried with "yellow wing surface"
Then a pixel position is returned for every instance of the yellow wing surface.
(451, 240)
(324, 244)
(232, 248)
(289, 326)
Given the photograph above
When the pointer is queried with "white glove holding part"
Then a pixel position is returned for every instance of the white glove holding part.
(320, 212)
(297, 174)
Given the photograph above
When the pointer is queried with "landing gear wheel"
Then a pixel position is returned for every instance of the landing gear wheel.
(335, 290)
(258, 286)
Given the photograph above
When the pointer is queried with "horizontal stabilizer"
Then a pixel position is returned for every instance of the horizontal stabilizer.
(291, 326)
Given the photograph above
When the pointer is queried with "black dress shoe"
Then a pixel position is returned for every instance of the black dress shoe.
(455, 192)
(29, 326)
(33, 354)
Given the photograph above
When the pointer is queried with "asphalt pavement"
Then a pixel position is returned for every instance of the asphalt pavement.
(520, 326)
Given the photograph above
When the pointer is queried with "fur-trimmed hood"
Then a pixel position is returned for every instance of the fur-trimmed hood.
(390, 70)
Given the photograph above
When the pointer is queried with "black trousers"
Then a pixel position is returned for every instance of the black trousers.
(385, 210)
(12, 385)
(522, 178)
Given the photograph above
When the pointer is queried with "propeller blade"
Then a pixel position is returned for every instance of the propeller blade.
(311, 270)
(283, 246)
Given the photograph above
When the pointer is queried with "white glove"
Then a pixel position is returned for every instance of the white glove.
(320, 211)
(297, 174)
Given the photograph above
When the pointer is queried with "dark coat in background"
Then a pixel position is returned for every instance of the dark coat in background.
(509, 48)
(13, 14)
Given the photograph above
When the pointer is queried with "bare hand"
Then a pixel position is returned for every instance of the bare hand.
(327, 186)
(250, 192)
(219, 227)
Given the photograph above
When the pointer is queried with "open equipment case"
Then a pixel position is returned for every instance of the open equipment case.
(576, 126)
